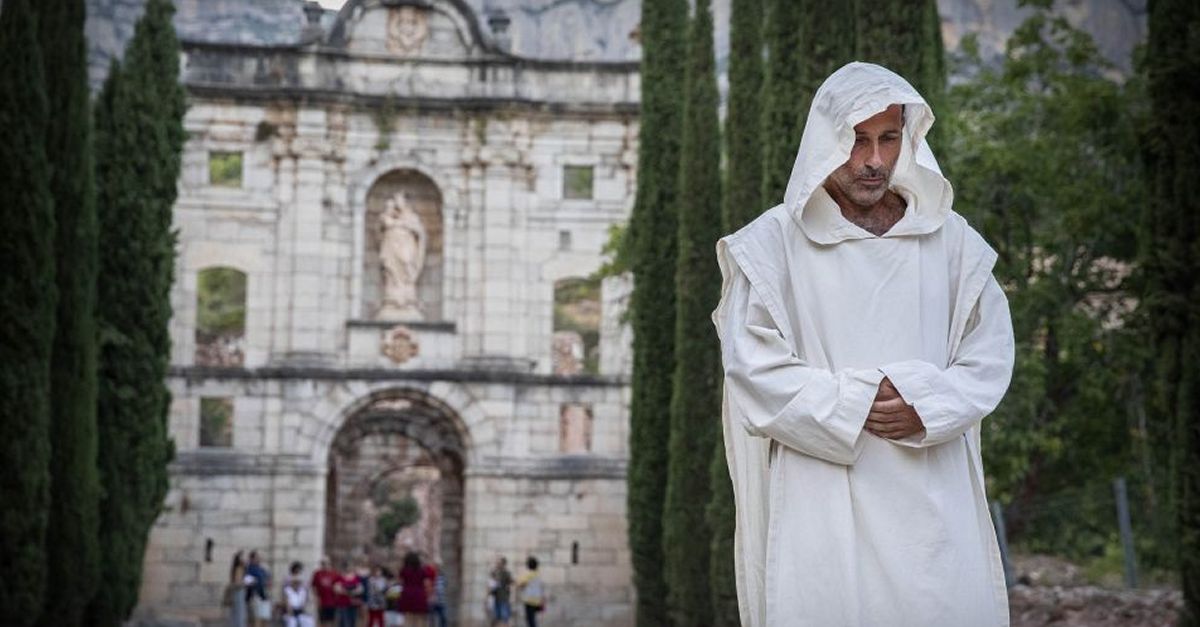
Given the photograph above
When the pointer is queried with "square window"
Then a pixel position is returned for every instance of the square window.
(225, 169)
(577, 182)
(216, 422)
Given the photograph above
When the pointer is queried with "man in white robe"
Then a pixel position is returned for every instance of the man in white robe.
(863, 339)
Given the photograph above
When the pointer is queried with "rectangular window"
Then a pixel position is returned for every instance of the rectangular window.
(225, 169)
(577, 182)
(216, 422)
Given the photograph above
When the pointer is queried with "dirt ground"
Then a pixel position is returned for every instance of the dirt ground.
(1054, 593)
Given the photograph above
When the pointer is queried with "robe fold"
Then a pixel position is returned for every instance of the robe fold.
(836, 526)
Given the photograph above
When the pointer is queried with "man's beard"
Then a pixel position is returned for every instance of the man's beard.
(867, 195)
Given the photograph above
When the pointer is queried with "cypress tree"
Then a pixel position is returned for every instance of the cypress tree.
(1171, 262)
(652, 232)
(72, 552)
(27, 301)
(806, 42)
(139, 137)
(743, 121)
(695, 402)
(742, 203)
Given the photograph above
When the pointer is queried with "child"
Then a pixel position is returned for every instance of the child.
(377, 587)
(295, 596)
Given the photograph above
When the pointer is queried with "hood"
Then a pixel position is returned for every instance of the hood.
(850, 95)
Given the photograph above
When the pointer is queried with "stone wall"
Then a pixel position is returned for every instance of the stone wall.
(574, 527)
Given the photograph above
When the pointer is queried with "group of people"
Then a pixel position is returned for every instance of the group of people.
(413, 595)
(529, 589)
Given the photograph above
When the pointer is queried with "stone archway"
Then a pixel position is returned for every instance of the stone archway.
(402, 445)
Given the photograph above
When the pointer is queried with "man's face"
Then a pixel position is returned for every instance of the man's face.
(864, 179)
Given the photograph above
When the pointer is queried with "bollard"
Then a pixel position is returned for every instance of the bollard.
(1002, 540)
(1126, 531)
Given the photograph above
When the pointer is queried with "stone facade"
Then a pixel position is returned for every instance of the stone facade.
(459, 405)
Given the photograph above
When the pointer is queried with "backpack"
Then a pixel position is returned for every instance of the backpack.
(534, 593)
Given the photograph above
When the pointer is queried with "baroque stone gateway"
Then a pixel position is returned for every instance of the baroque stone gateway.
(376, 225)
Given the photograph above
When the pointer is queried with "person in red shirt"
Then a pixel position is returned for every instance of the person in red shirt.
(347, 590)
(323, 580)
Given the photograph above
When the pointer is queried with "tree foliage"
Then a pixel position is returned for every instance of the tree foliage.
(742, 203)
(695, 401)
(396, 515)
(139, 137)
(27, 306)
(652, 253)
(1043, 155)
(1171, 262)
(72, 551)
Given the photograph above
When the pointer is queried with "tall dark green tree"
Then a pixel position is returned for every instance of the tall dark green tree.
(27, 301)
(806, 41)
(905, 36)
(743, 119)
(696, 400)
(651, 241)
(139, 137)
(742, 203)
(72, 552)
(1171, 261)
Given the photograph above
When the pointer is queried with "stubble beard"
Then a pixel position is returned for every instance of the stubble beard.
(862, 195)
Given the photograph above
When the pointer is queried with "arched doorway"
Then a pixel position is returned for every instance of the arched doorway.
(398, 461)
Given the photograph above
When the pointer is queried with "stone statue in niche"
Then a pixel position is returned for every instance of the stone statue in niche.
(402, 244)
(400, 344)
(407, 28)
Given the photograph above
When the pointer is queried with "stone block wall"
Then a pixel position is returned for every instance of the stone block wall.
(574, 527)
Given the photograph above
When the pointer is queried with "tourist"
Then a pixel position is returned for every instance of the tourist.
(259, 602)
(346, 590)
(364, 577)
(377, 586)
(392, 617)
(437, 600)
(414, 596)
(531, 591)
(323, 580)
(502, 592)
(295, 596)
(235, 592)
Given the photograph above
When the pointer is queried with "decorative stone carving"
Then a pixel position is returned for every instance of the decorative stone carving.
(402, 245)
(407, 29)
(568, 353)
(400, 344)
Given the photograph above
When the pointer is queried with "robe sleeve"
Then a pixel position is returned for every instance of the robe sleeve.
(953, 400)
(779, 396)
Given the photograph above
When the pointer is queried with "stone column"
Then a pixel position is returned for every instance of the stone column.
(300, 336)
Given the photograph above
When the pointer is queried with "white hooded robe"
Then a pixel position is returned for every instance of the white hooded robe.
(835, 526)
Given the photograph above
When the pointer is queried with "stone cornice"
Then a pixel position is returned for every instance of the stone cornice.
(329, 373)
(557, 467)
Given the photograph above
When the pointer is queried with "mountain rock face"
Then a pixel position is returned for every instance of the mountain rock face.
(582, 30)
